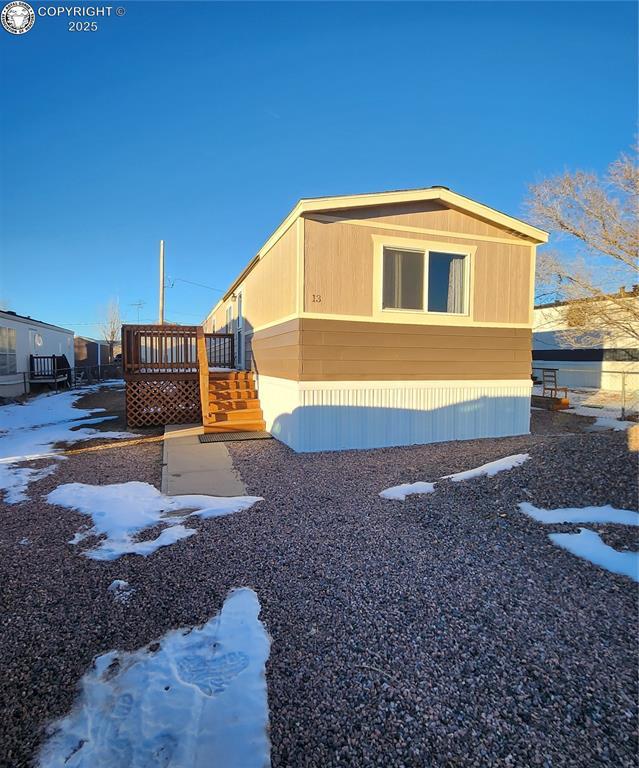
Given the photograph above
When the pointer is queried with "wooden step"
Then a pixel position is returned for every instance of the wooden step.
(223, 416)
(224, 406)
(230, 376)
(234, 405)
(258, 425)
(231, 395)
(223, 385)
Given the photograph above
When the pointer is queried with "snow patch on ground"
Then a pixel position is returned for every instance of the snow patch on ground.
(603, 423)
(199, 700)
(122, 510)
(603, 405)
(121, 590)
(400, 492)
(588, 545)
(490, 469)
(605, 514)
(30, 431)
(15, 480)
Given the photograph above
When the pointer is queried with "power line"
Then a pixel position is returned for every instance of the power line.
(173, 280)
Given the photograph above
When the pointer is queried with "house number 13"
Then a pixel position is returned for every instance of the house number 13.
(317, 298)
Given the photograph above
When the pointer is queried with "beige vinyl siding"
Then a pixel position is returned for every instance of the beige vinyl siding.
(276, 351)
(352, 351)
(338, 263)
(501, 289)
(269, 290)
(336, 350)
(338, 269)
(429, 215)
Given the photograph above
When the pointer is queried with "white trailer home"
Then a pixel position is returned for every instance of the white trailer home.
(604, 359)
(21, 337)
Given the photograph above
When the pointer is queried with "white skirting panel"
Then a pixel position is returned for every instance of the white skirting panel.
(336, 415)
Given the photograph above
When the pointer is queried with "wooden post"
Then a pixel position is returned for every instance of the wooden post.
(161, 309)
(203, 370)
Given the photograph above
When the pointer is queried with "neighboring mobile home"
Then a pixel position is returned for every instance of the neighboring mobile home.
(595, 358)
(21, 337)
(388, 319)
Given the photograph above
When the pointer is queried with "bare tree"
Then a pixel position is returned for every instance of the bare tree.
(111, 326)
(595, 220)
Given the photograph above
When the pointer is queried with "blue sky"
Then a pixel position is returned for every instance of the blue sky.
(203, 123)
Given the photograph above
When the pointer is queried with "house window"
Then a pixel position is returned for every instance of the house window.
(403, 279)
(446, 289)
(430, 281)
(7, 351)
(229, 319)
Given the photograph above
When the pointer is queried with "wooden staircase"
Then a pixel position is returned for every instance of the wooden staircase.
(233, 404)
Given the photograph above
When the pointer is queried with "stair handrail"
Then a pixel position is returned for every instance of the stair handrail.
(203, 369)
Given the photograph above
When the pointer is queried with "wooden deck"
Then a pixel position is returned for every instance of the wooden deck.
(181, 375)
(49, 369)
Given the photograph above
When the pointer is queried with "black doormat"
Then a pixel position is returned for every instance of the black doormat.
(230, 437)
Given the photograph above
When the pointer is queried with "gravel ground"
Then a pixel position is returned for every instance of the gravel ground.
(446, 630)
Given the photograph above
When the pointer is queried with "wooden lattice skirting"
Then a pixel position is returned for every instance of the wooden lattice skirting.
(152, 402)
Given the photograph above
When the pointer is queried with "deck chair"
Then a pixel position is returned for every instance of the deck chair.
(549, 384)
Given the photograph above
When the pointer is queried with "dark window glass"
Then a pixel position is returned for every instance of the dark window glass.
(403, 279)
(446, 282)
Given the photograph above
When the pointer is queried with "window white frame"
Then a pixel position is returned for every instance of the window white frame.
(425, 247)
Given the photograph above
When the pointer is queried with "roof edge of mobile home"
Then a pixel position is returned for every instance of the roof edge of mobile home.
(436, 193)
(10, 314)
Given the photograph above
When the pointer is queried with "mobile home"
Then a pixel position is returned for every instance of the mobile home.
(599, 358)
(22, 336)
(388, 319)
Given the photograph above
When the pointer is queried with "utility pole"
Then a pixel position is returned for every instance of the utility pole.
(161, 312)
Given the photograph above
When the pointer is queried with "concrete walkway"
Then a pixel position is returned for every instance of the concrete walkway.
(190, 466)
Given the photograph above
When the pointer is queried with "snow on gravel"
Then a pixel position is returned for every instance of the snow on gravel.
(121, 590)
(490, 469)
(121, 510)
(15, 480)
(600, 404)
(400, 492)
(589, 546)
(197, 697)
(30, 431)
(603, 423)
(604, 514)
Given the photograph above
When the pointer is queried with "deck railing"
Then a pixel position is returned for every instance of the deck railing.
(220, 350)
(48, 367)
(159, 349)
(165, 368)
